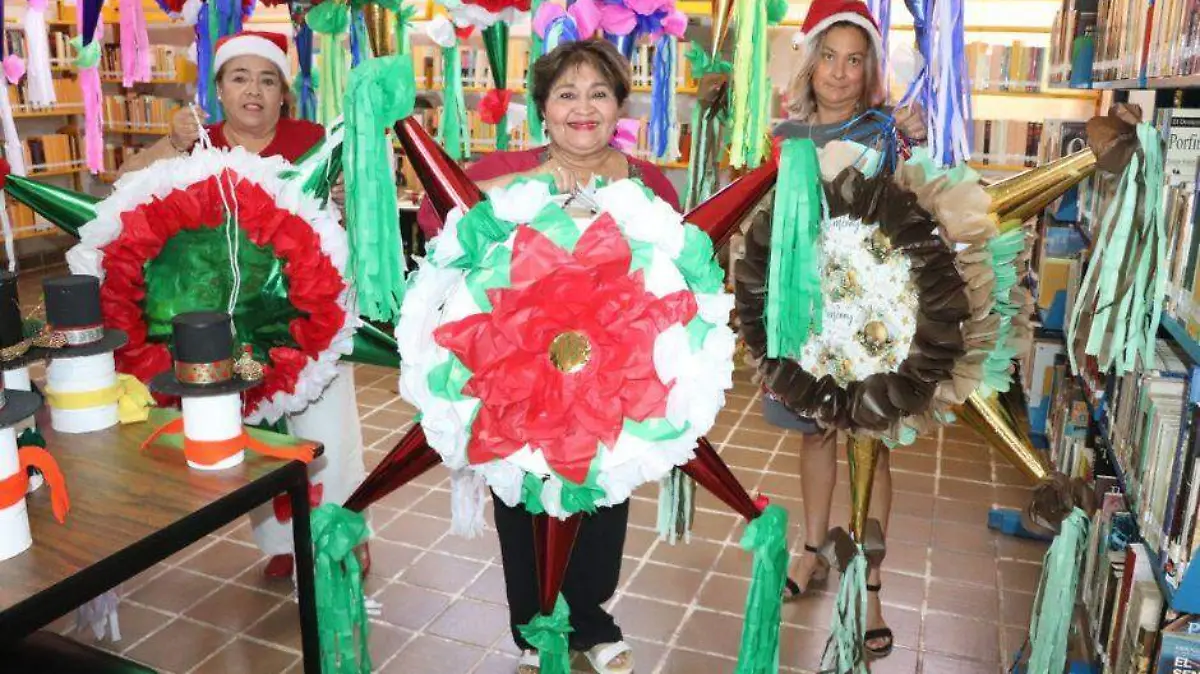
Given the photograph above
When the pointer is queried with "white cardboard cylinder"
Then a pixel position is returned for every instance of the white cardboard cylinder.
(214, 418)
(15, 536)
(80, 375)
(18, 378)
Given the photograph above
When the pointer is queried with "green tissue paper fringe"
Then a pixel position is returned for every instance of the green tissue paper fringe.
(548, 635)
(751, 88)
(537, 48)
(794, 300)
(453, 132)
(341, 610)
(766, 538)
(844, 650)
(703, 175)
(997, 367)
(381, 93)
(330, 21)
(1050, 624)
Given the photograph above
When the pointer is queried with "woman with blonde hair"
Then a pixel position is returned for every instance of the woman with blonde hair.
(837, 94)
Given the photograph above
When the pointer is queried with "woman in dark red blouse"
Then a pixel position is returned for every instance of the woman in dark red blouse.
(579, 89)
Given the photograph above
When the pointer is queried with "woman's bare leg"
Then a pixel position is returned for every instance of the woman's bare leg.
(818, 478)
(881, 509)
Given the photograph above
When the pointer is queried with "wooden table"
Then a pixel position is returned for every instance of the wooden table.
(131, 509)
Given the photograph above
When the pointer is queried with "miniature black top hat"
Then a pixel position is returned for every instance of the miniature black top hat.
(16, 350)
(74, 320)
(204, 359)
(16, 405)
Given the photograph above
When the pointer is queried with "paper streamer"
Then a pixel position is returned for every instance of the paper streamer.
(662, 97)
(213, 418)
(39, 83)
(882, 11)
(942, 86)
(82, 375)
(15, 536)
(135, 43)
(303, 85)
(87, 20)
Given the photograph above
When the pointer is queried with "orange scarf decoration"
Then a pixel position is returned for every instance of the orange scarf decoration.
(14, 487)
(209, 452)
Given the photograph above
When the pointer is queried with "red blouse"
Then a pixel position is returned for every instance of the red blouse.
(497, 164)
(293, 137)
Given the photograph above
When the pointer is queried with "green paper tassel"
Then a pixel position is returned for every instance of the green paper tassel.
(794, 301)
(537, 48)
(453, 132)
(997, 367)
(330, 21)
(844, 650)
(495, 41)
(317, 171)
(751, 89)
(381, 93)
(676, 507)
(341, 604)
(766, 537)
(404, 23)
(548, 634)
(1055, 602)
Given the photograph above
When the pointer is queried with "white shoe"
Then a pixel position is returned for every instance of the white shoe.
(530, 663)
(602, 655)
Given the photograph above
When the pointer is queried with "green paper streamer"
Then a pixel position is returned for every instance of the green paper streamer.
(63, 208)
(381, 92)
(404, 23)
(537, 49)
(844, 649)
(1054, 604)
(1005, 250)
(495, 41)
(676, 507)
(373, 346)
(453, 131)
(341, 608)
(751, 90)
(86, 56)
(330, 20)
(794, 300)
(766, 538)
(548, 634)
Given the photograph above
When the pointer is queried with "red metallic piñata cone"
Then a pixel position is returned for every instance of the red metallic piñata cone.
(721, 213)
(411, 458)
(446, 185)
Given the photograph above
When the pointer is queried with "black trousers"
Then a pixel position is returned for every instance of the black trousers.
(591, 580)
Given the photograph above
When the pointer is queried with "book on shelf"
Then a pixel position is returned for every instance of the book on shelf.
(144, 111)
(1179, 647)
(67, 94)
(1122, 39)
(998, 67)
(1072, 43)
(163, 60)
(52, 152)
(1006, 142)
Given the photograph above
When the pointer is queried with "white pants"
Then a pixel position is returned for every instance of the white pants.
(333, 421)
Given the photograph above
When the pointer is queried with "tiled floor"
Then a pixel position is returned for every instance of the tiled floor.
(957, 595)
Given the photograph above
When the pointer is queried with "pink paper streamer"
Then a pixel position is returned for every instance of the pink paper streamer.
(675, 23)
(93, 130)
(14, 68)
(135, 43)
(618, 19)
(587, 17)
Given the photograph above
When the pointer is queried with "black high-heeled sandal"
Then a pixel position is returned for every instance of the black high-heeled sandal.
(877, 634)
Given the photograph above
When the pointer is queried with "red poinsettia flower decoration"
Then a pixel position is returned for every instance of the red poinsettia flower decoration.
(566, 354)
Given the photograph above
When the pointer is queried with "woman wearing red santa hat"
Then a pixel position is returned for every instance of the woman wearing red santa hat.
(252, 71)
(252, 85)
(839, 83)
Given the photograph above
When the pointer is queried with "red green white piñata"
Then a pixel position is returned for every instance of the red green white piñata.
(567, 360)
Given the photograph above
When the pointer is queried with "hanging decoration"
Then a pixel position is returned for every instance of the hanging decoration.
(1116, 315)
(942, 87)
(39, 88)
(664, 129)
(87, 63)
(14, 68)
(751, 93)
(710, 115)
(330, 21)
(496, 100)
(537, 49)
(882, 11)
(135, 43)
(453, 131)
(306, 91)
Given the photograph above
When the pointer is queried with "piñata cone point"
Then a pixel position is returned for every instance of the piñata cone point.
(721, 213)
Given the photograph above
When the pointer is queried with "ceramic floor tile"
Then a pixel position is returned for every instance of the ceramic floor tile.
(443, 604)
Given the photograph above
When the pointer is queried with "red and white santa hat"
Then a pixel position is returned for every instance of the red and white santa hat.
(824, 13)
(271, 46)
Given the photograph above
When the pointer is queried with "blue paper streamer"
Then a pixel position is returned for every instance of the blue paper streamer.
(358, 37)
(626, 44)
(305, 88)
(229, 16)
(662, 90)
(945, 95)
(882, 11)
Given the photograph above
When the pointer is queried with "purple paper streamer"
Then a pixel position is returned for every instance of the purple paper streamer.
(91, 18)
